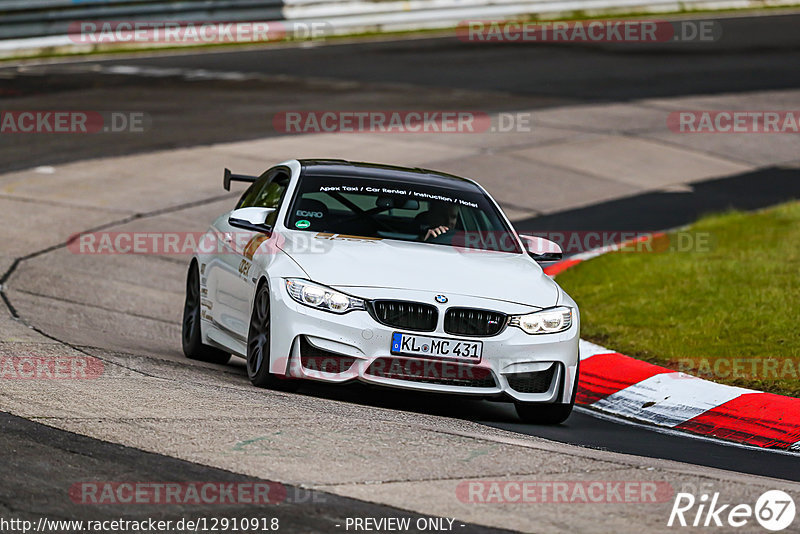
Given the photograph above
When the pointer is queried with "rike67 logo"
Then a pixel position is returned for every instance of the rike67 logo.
(774, 510)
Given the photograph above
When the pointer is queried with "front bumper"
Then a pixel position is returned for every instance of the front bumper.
(318, 345)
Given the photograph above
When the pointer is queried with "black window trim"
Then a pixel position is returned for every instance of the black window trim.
(274, 171)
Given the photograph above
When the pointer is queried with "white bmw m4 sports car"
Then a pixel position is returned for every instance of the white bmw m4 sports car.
(337, 271)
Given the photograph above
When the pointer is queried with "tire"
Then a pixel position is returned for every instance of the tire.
(548, 414)
(191, 339)
(258, 345)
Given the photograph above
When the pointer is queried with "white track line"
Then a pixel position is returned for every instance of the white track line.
(669, 399)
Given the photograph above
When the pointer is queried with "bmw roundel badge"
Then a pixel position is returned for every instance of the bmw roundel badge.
(441, 299)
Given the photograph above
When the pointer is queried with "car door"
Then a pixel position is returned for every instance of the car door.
(236, 285)
(222, 272)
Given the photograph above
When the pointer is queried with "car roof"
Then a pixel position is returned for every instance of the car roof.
(358, 169)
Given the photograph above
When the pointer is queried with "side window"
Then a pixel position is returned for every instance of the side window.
(266, 192)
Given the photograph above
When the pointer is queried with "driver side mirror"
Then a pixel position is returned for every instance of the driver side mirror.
(540, 249)
(253, 219)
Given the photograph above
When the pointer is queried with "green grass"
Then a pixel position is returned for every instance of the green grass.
(735, 304)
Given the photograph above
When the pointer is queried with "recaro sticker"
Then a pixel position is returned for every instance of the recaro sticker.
(309, 214)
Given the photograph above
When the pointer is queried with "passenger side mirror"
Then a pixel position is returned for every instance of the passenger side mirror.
(254, 219)
(540, 249)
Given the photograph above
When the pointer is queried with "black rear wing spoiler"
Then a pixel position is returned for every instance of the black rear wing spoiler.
(229, 177)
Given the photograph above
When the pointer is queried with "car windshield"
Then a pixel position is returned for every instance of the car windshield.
(379, 208)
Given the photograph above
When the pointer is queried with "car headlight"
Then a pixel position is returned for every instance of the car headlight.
(547, 321)
(321, 297)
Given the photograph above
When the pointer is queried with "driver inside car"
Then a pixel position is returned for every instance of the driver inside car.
(439, 220)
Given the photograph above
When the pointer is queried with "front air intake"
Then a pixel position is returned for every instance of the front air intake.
(317, 359)
(405, 314)
(474, 322)
(432, 372)
(537, 382)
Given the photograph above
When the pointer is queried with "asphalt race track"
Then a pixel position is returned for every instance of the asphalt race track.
(754, 54)
(124, 310)
(25, 443)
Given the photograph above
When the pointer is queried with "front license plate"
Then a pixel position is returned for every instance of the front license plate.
(413, 345)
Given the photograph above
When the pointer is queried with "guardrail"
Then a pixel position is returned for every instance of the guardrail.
(29, 27)
(37, 18)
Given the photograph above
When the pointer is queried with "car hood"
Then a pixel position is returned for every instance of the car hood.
(348, 261)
